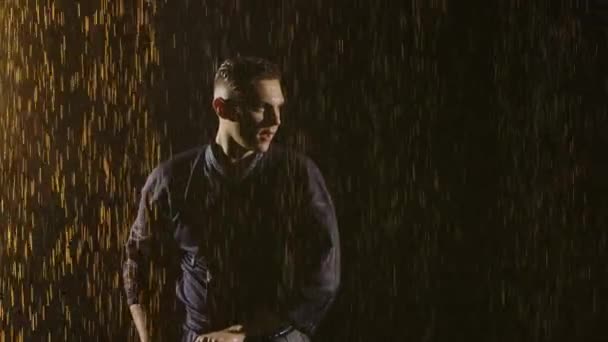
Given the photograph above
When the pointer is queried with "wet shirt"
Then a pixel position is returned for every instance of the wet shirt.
(266, 239)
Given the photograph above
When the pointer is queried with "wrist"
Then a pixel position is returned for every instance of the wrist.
(281, 332)
(265, 336)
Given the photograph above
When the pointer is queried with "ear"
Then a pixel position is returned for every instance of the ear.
(219, 106)
(223, 109)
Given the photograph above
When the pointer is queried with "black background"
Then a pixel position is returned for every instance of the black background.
(464, 144)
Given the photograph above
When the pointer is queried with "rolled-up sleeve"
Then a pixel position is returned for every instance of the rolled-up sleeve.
(317, 268)
(151, 213)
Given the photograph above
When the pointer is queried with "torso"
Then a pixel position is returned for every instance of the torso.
(237, 230)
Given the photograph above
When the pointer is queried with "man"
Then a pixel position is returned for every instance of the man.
(254, 222)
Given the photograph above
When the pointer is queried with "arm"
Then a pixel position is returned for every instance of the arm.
(317, 261)
(318, 257)
(139, 317)
(137, 247)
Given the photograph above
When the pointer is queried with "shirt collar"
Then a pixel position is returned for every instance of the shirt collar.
(212, 160)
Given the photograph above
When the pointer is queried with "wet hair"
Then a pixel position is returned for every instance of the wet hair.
(235, 76)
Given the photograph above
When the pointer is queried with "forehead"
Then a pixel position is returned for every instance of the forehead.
(269, 91)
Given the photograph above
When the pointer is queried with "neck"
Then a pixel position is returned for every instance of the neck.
(233, 152)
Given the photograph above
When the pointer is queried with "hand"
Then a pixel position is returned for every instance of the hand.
(264, 322)
(231, 334)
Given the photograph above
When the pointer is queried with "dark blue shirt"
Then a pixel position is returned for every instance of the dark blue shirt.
(266, 239)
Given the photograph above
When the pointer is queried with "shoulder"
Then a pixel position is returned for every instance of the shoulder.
(175, 168)
(299, 164)
(283, 155)
(182, 163)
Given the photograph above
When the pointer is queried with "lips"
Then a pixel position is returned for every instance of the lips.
(266, 132)
(265, 136)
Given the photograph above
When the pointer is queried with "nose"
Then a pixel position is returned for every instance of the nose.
(273, 116)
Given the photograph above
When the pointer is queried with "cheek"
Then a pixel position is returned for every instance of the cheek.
(257, 117)
(250, 126)
(247, 131)
(251, 119)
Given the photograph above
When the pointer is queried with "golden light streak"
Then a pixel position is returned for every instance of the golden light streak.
(68, 89)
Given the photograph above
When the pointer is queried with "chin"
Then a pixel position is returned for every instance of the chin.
(263, 147)
(258, 144)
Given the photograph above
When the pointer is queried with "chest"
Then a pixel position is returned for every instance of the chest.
(232, 225)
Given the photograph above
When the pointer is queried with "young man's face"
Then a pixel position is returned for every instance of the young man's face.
(260, 121)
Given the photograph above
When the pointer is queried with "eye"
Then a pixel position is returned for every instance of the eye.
(260, 107)
(265, 107)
